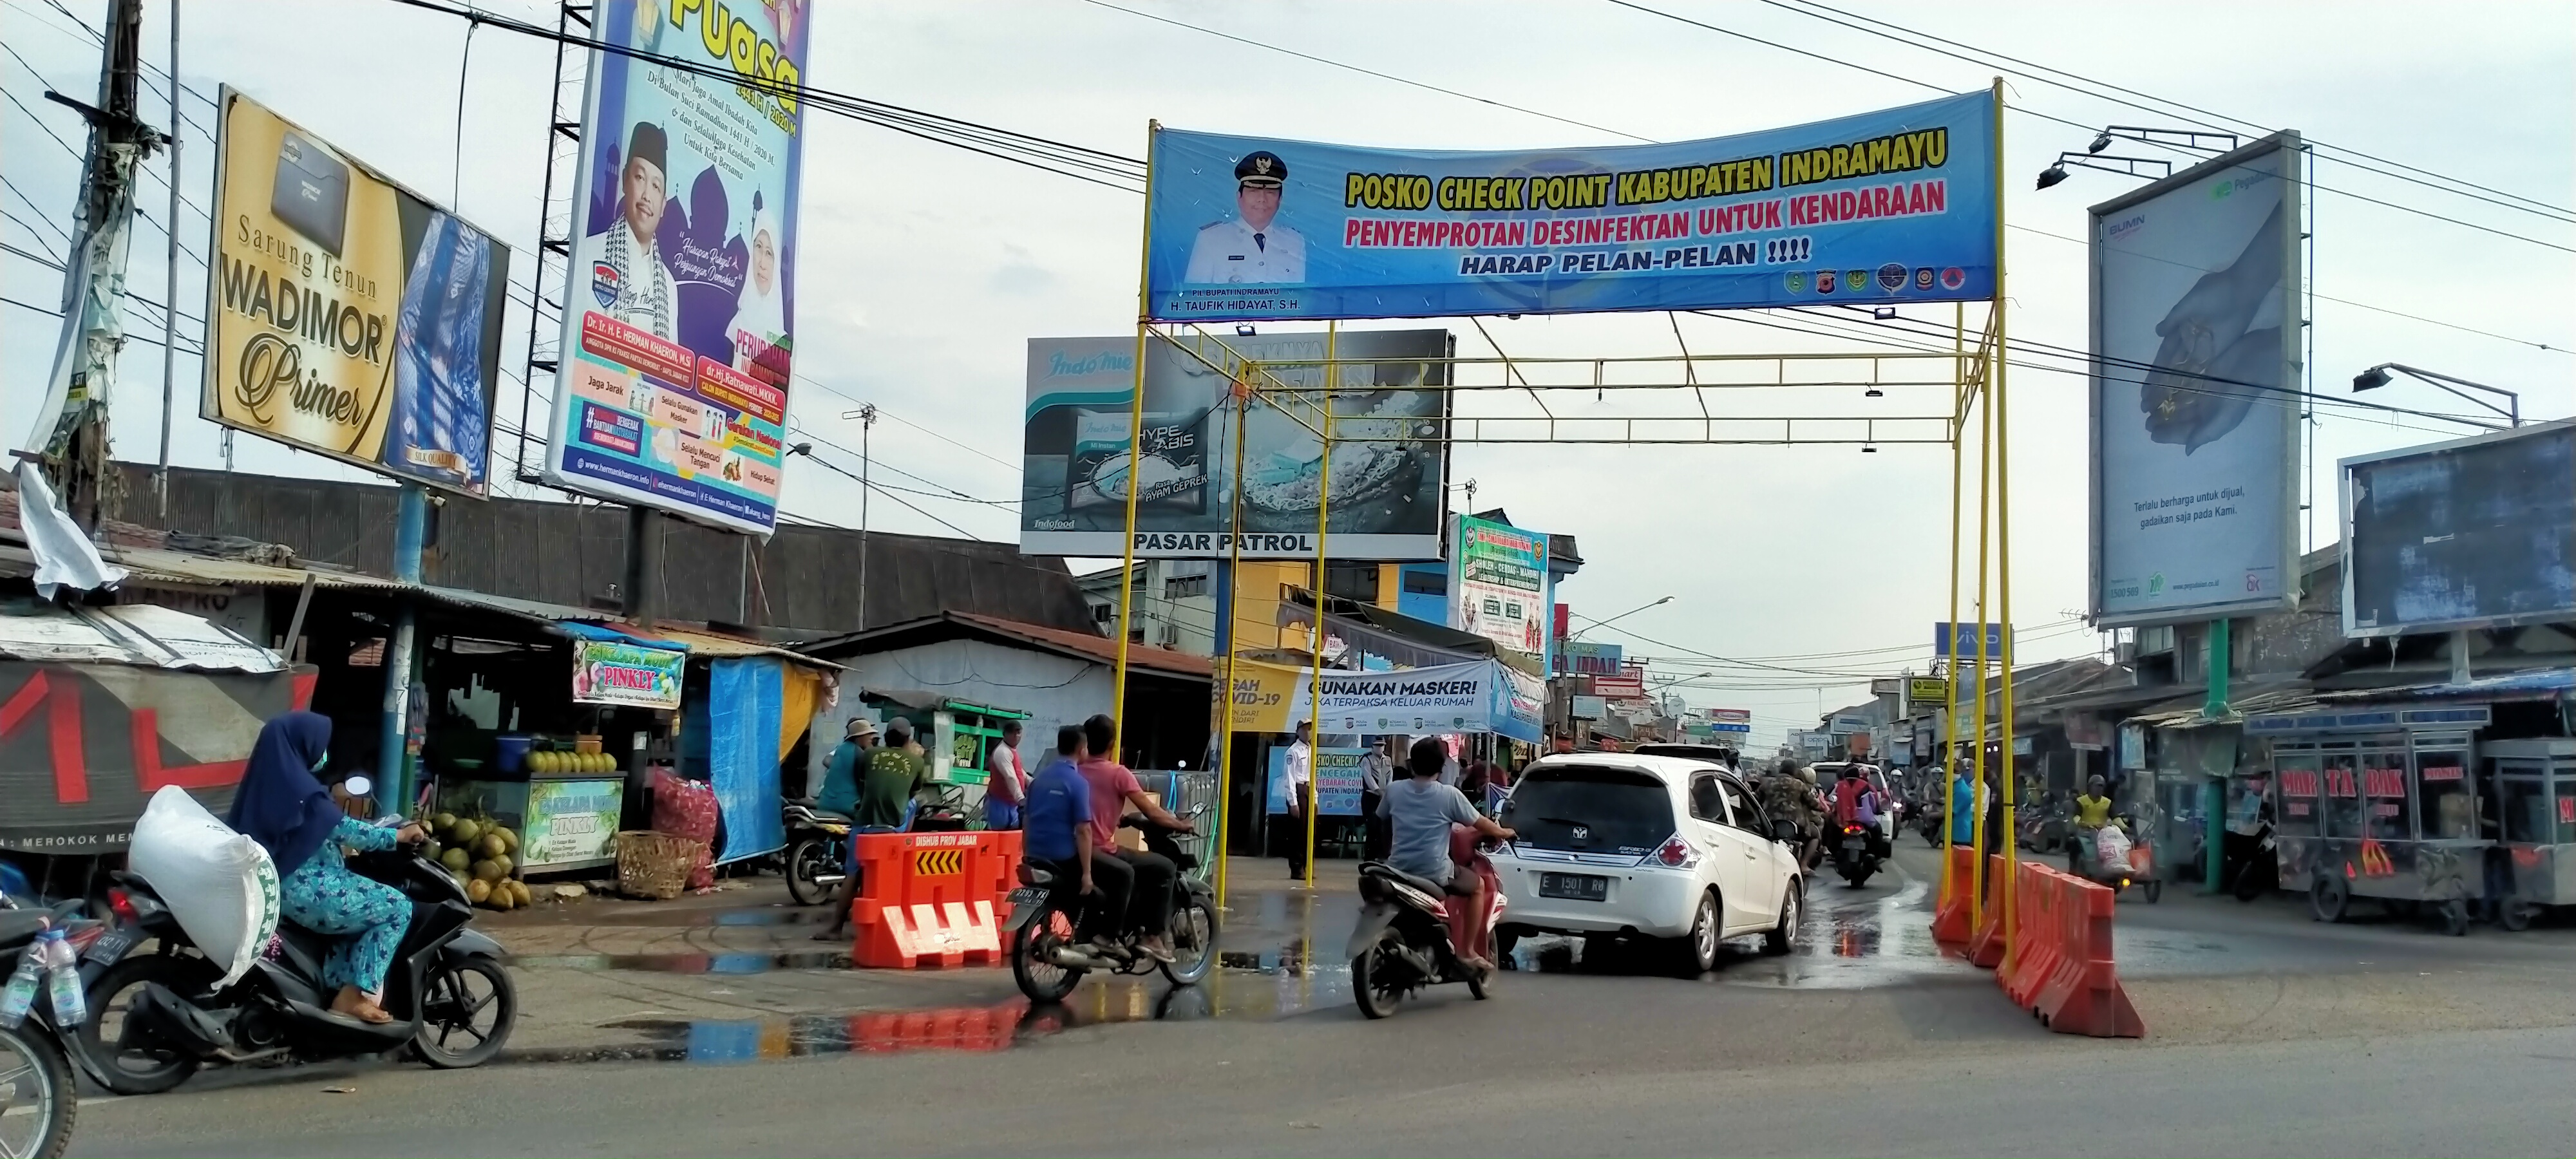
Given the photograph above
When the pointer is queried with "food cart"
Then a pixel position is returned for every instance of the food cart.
(2377, 802)
(2533, 784)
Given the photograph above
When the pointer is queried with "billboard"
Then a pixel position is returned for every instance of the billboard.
(2474, 533)
(1960, 640)
(1388, 456)
(1896, 205)
(346, 315)
(1585, 658)
(2195, 391)
(679, 308)
(1625, 686)
(1500, 583)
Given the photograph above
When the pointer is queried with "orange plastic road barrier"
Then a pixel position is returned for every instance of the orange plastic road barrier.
(1987, 947)
(2081, 993)
(1950, 917)
(2036, 952)
(954, 1028)
(932, 899)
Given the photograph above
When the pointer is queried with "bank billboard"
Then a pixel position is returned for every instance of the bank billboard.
(1388, 463)
(679, 307)
(345, 314)
(1896, 205)
(2196, 391)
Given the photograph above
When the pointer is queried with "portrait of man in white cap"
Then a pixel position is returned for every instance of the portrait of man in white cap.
(624, 269)
(1251, 246)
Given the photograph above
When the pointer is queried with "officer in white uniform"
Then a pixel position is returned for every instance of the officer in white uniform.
(1253, 247)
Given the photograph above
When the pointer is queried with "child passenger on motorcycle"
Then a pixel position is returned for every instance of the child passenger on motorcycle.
(1420, 810)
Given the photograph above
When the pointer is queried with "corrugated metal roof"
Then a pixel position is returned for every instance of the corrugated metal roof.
(143, 635)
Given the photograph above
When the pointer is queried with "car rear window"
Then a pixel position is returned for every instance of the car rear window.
(1588, 809)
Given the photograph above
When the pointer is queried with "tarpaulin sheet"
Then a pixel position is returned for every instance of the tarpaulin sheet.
(744, 704)
(84, 746)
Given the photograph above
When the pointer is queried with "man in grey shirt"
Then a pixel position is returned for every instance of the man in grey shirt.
(1377, 771)
(1420, 811)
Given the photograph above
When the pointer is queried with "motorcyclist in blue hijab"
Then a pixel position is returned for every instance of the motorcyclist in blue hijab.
(284, 807)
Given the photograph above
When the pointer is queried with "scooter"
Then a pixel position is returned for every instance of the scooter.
(818, 847)
(1403, 941)
(1853, 857)
(38, 1100)
(159, 1016)
(1047, 961)
(2138, 868)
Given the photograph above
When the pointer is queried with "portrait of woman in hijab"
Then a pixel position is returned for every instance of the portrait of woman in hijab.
(760, 314)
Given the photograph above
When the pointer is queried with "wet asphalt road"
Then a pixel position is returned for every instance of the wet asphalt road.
(1866, 1041)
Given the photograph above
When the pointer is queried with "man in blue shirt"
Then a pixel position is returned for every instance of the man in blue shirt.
(840, 789)
(1056, 827)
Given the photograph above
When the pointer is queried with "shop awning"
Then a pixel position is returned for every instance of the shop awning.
(143, 635)
(1398, 630)
(590, 624)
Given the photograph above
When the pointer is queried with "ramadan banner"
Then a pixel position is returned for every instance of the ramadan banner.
(678, 318)
(1882, 207)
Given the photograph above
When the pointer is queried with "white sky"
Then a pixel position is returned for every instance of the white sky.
(924, 268)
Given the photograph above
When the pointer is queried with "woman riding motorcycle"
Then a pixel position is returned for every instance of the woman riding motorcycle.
(283, 807)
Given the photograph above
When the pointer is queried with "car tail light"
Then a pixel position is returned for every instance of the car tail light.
(1675, 853)
(123, 903)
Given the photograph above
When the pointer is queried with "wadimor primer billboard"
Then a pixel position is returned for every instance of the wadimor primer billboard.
(678, 319)
(346, 315)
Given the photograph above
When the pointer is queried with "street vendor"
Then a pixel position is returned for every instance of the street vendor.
(2092, 812)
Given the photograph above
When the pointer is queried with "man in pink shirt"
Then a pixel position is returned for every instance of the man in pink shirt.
(1113, 789)
(1006, 785)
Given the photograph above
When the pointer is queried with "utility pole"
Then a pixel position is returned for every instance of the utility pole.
(170, 283)
(71, 436)
(867, 423)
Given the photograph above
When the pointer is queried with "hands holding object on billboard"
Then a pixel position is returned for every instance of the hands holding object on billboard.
(2210, 334)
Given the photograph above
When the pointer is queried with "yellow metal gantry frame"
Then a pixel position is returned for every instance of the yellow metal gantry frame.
(1976, 379)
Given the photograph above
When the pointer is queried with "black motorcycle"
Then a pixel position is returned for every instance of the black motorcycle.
(157, 1017)
(38, 1101)
(1855, 854)
(818, 850)
(1048, 961)
(1401, 942)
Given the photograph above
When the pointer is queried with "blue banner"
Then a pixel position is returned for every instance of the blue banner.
(1890, 206)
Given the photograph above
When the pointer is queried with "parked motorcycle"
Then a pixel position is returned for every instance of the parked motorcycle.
(1853, 857)
(1402, 942)
(1047, 961)
(38, 1101)
(159, 1016)
(818, 847)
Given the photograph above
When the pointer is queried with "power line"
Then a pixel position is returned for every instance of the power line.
(2530, 205)
(2030, 112)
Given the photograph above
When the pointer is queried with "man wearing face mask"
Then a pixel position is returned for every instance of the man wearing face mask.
(1252, 246)
(627, 279)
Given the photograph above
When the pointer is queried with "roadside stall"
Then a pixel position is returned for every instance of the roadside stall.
(2377, 802)
(545, 739)
(2533, 784)
(957, 735)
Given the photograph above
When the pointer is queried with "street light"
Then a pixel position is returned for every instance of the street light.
(1670, 681)
(1626, 614)
(2377, 376)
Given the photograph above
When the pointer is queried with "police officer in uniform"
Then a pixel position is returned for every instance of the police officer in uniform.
(627, 279)
(1251, 247)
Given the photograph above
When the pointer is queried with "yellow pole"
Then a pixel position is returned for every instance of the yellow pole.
(1950, 727)
(1985, 495)
(2003, 525)
(1135, 439)
(1233, 645)
(1323, 513)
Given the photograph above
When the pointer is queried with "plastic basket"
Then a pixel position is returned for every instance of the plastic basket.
(655, 865)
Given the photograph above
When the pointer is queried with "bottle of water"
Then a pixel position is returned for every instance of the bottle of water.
(70, 1009)
(21, 991)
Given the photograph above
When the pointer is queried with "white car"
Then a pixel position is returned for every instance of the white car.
(1651, 846)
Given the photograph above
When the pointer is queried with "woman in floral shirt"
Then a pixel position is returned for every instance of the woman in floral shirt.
(284, 807)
